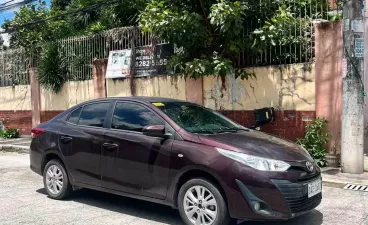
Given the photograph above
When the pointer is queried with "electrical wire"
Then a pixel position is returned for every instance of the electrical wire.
(87, 8)
(4, 7)
(7, 2)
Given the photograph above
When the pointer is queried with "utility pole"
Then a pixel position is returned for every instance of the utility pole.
(352, 130)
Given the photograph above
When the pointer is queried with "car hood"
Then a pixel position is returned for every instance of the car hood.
(257, 143)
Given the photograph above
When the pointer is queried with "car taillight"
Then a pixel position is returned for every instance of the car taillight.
(36, 131)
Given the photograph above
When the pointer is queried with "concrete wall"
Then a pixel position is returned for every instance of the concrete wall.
(163, 86)
(329, 55)
(15, 107)
(73, 93)
(15, 98)
(289, 87)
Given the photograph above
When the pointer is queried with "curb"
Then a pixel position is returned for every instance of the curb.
(13, 148)
(335, 184)
(341, 182)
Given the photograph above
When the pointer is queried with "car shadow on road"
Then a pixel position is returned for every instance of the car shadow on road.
(133, 207)
(314, 217)
(161, 213)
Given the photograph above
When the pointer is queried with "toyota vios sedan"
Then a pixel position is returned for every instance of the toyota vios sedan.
(175, 153)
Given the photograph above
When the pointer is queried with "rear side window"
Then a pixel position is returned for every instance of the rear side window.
(74, 116)
(133, 117)
(94, 114)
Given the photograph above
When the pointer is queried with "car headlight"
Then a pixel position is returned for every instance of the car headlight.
(255, 162)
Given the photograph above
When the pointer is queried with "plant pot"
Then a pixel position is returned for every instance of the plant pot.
(333, 160)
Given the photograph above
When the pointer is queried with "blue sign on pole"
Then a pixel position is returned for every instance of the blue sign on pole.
(359, 47)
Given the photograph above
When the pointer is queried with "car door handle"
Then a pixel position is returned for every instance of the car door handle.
(66, 139)
(110, 146)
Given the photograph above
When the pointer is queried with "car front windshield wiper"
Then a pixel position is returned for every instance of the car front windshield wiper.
(203, 132)
(233, 130)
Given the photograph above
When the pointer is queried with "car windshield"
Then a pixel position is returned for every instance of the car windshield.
(197, 119)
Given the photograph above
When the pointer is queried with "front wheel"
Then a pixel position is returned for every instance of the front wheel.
(56, 180)
(201, 203)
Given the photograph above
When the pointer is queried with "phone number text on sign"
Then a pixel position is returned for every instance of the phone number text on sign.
(148, 63)
(152, 61)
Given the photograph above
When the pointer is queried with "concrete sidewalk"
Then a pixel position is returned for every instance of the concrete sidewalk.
(20, 144)
(334, 177)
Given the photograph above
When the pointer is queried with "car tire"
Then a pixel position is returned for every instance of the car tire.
(204, 209)
(56, 181)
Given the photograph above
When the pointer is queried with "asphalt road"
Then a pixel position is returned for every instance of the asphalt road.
(23, 201)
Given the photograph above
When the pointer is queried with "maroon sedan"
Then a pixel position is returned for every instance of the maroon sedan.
(175, 153)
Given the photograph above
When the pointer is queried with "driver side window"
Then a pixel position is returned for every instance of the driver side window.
(133, 117)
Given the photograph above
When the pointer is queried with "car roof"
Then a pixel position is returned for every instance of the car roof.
(141, 99)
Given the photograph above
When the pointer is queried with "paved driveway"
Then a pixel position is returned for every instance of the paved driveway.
(23, 201)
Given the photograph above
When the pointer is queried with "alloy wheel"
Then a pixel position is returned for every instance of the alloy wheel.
(200, 205)
(54, 179)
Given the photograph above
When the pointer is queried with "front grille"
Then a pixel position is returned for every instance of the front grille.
(296, 195)
(309, 176)
(304, 203)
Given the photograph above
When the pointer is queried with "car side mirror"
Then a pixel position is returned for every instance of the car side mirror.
(155, 131)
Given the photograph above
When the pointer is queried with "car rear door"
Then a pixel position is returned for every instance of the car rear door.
(131, 161)
(81, 139)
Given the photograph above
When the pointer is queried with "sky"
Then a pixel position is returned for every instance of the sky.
(4, 15)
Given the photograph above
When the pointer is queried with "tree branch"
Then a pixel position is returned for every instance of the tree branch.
(205, 15)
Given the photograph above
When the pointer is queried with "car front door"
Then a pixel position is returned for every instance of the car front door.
(131, 161)
(82, 137)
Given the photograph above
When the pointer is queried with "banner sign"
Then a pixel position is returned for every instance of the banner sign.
(146, 64)
(118, 65)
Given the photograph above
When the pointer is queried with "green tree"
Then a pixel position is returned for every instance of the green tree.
(36, 23)
(209, 33)
(59, 4)
(30, 35)
(96, 15)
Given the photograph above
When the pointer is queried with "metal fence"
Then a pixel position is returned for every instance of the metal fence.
(13, 67)
(302, 47)
(79, 52)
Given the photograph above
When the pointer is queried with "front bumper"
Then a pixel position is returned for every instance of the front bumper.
(296, 196)
(295, 201)
(285, 194)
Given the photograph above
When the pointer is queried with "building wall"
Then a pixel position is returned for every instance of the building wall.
(329, 55)
(15, 103)
(290, 89)
(19, 119)
(163, 86)
(73, 93)
(15, 98)
(15, 107)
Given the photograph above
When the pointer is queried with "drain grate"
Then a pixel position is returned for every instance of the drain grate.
(356, 187)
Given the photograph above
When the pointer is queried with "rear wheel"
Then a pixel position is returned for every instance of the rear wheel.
(56, 180)
(201, 203)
